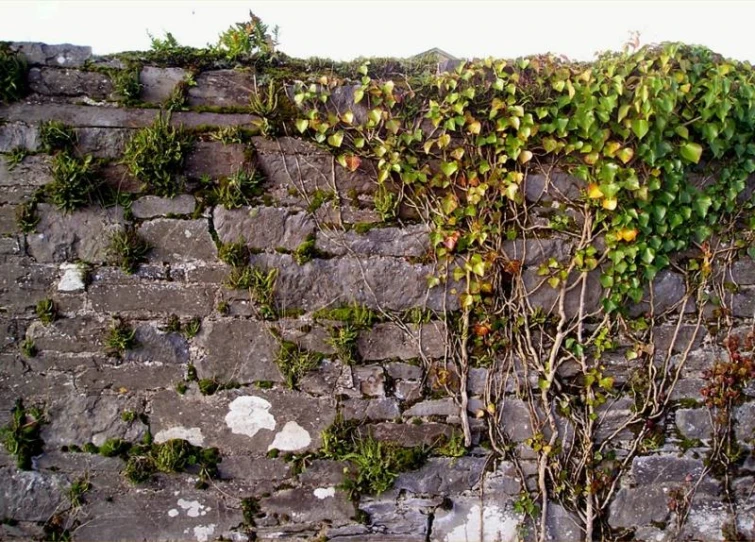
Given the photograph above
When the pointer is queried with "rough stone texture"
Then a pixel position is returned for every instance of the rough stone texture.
(386, 341)
(263, 227)
(158, 83)
(154, 345)
(30, 496)
(107, 117)
(216, 159)
(154, 206)
(165, 299)
(694, 423)
(241, 350)
(412, 241)
(43, 54)
(321, 283)
(15, 135)
(104, 142)
(78, 419)
(70, 83)
(222, 88)
(82, 235)
(175, 241)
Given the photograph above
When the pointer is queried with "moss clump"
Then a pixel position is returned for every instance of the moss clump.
(56, 136)
(13, 70)
(27, 218)
(46, 311)
(306, 251)
(238, 190)
(114, 447)
(21, 437)
(127, 250)
(120, 337)
(261, 286)
(210, 386)
(294, 362)
(320, 198)
(375, 465)
(176, 455)
(359, 316)
(155, 156)
(76, 491)
(28, 348)
(344, 340)
(126, 84)
(234, 254)
(192, 327)
(74, 182)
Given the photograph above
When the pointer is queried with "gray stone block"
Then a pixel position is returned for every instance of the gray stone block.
(263, 227)
(154, 206)
(159, 83)
(176, 241)
(241, 350)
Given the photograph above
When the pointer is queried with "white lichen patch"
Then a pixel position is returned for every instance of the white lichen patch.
(172, 513)
(194, 509)
(203, 532)
(249, 414)
(291, 438)
(72, 279)
(492, 525)
(325, 492)
(192, 434)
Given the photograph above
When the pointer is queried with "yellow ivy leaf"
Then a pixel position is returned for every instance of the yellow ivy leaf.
(594, 192)
(610, 204)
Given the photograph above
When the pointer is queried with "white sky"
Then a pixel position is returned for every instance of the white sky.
(348, 29)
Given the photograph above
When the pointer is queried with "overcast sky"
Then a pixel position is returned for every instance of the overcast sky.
(353, 28)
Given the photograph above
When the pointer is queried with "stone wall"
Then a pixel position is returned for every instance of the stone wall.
(398, 389)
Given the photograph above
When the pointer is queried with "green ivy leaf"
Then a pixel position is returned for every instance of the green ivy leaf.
(449, 168)
(640, 127)
(336, 139)
(691, 152)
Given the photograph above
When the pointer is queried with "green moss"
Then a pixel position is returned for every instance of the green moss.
(261, 286)
(114, 447)
(128, 416)
(320, 198)
(344, 340)
(364, 227)
(359, 316)
(120, 337)
(15, 157)
(13, 70)
(126, 84)
(453, 446)
(374, 465)
(306, 251)
(46, 311)
(294, 362)
(173, 325)
(192, 327)
(22, 436)
(56, 136)
(234, 254)
(181, 387)
(263, 384)
(77, 490)
(75, 181)
(155, 156)
(27, 218)
(238, 190)
(209, 386)
(127, 250)
(28, 348)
